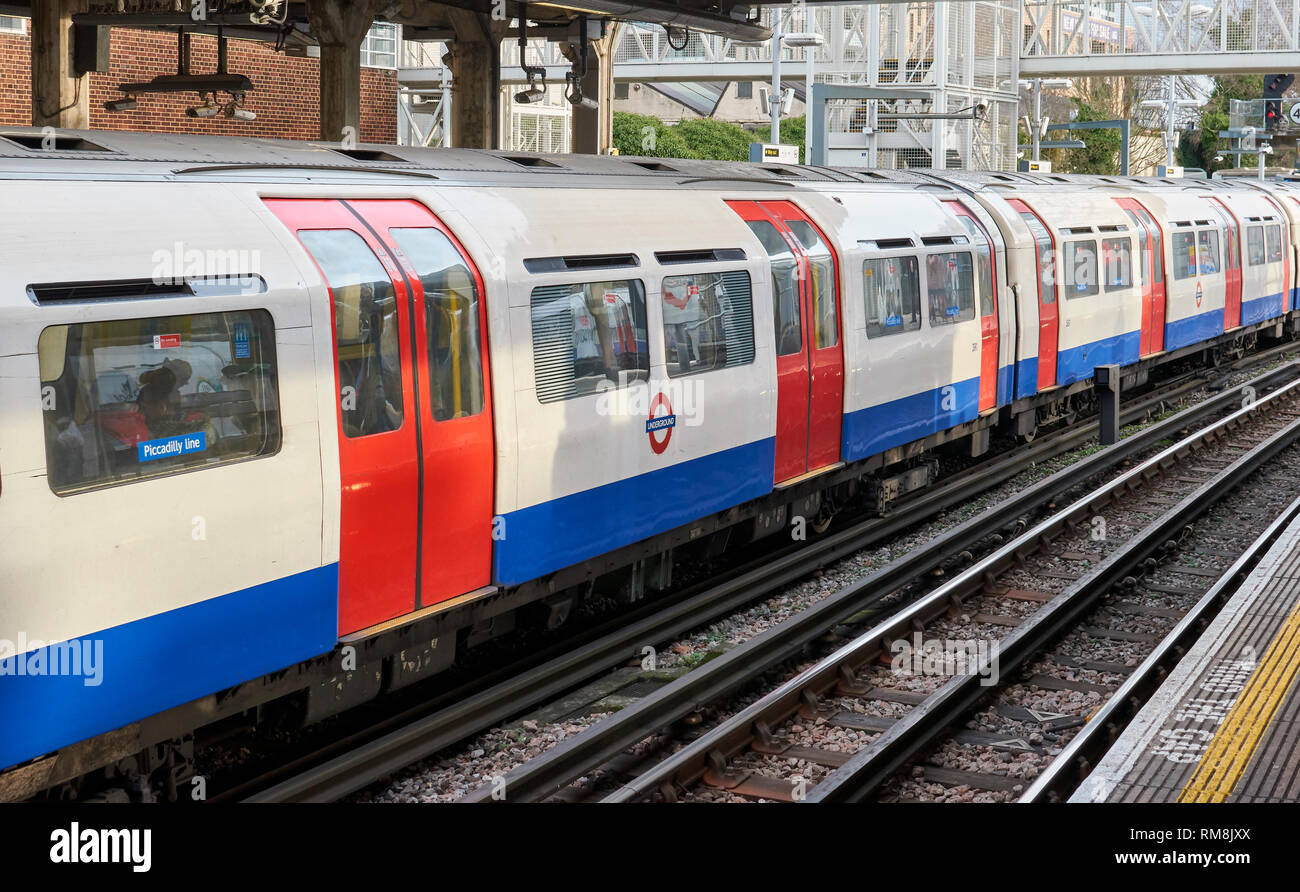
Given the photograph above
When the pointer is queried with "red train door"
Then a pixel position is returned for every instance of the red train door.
(388, 433)
(1151, 261)
(810, 359)
(1232, 268)
(1045, 248)
(988, 299)
(455, 420)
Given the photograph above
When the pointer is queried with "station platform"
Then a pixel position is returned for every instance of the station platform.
(1225, 725)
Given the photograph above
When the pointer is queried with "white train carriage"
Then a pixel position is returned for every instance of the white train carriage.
(403, 408)
(1196, 256)
(652, 403)
(1255, 258)
(1095, 276)
(919, 282)
(153, 414)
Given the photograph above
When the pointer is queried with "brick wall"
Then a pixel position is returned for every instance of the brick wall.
(284, 95)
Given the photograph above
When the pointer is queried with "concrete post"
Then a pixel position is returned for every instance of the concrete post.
(593, 128)
(340, 27)
(59, 97)
(1106, 383)
(475, 82)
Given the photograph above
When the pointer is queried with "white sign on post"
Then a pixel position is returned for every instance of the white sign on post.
(1293, 113)
(1248, 138)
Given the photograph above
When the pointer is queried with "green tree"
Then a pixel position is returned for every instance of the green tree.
(714, 139)
(647, 136)
(1101, 152)
(1199, 146)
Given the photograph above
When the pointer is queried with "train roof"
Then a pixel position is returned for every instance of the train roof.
(35, 153)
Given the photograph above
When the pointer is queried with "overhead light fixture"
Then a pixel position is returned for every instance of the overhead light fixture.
(126, 103)
(239, 114)
(208, 109)
(536, 75)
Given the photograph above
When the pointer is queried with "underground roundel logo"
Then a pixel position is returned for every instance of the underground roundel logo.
(661, 424)
(1199, 294)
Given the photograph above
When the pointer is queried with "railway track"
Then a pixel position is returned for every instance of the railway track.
(348, 764)
(764, 751)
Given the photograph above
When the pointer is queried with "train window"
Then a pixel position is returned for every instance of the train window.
(1046, 258)
(136, 398)
(451, 314)
(984, 260)
(821, 270)
(1117, 263)
(1255, 245)
(1080, 274)
(892, 286)
(365, 331)
(1158, 248)
(785, 288)
(708, 321)
(1274, 234)
(588, 337)
(1209, 245)
(1184, 249)
(950, 283)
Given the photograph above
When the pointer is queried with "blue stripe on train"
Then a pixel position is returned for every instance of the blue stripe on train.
(1194, 329)
(162, 661)
(877, 428)
(1006, 383)
(1077, 363)
(543, 538)
(1261, 308)
(1026, 377)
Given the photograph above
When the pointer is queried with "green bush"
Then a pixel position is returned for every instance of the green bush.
(648, 136)
(716, 140)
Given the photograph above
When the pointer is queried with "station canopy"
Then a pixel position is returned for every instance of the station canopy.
(287, 23)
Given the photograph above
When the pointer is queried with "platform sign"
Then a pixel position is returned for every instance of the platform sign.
(1027, 166)
(770, 153)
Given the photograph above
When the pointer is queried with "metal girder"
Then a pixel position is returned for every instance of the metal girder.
(1154, 64)
(1142, 37)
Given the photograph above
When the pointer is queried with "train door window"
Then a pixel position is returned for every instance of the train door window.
(1255, 245)
(1080, 268)
(708, 321)
(1158, 248)
(1230, 242)
(950, 283)
(984, 262)
(1144, 271)
(821, 272)
(588, 337)
(365, 331)
(893, 294)
(451, 313)
(785, 288)
(1274, 234)
(1046, 259)
(1184, 249)
(1117, 263)
(136, 398)
(1209, 248)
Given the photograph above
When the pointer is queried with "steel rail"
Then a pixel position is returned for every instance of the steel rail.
(1076, 760)
(871, 766)
(366, 758)
(548, 772)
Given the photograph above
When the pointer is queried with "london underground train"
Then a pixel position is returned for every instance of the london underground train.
(287, 426)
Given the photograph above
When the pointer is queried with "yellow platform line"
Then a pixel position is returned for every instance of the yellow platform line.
(1234, 744)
